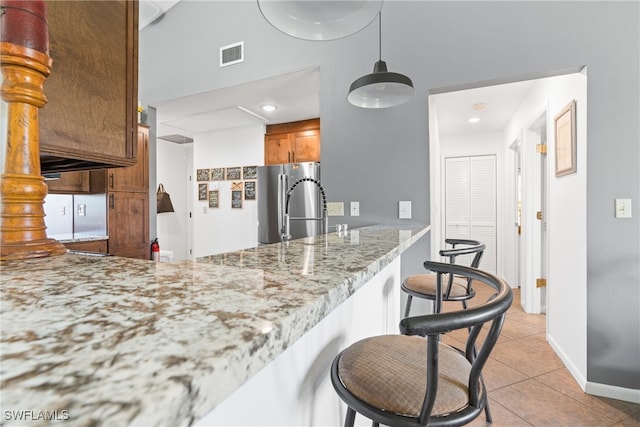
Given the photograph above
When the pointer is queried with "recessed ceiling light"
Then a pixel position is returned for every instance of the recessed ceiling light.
(474, 120)
(268, 107)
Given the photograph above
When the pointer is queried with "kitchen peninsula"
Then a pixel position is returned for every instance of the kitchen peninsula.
(116, 341)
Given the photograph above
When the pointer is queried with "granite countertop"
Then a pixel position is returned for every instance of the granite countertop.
(117, 341)
(79, 238)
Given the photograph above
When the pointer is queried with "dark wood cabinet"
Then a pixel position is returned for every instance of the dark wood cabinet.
(128, 202)
(69, 183)
(89, 121)
(97, 246)
(292, 142)
(128, 224)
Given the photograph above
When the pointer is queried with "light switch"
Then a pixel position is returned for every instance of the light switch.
(404, 209)
(623, 208)
(355, 209)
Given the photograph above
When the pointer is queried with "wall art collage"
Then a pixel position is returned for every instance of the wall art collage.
(243, 184)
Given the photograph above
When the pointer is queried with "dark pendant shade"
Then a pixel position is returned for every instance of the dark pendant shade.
(381, 89)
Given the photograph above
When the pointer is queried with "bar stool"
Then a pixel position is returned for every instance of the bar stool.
(458, 288)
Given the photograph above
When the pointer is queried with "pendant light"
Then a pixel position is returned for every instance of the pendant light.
(380, 89)
(319, 19)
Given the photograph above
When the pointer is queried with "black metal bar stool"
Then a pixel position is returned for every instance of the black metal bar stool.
(458, 288)
(415, 379)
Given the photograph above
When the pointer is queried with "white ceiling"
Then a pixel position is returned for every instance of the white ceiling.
(297, 97)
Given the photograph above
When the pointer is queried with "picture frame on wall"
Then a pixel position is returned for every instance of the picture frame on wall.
(202, 174)
(234, 173)
(249, 190)
(236, 185)
(566, 141)
(236, 199)
(214, 199)
(217, 174)
(249, 172)
(202, 191)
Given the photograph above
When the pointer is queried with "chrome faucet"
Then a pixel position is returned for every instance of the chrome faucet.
(285, 232)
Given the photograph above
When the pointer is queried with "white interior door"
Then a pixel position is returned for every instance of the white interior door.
(470, 204)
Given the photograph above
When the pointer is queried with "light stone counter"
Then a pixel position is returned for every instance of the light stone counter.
(95, 341)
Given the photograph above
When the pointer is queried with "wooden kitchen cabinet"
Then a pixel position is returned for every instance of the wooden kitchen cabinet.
(89, 121)
(132, 178)
(69, 183)
(97, 246)
(128, 224)
(292, 142)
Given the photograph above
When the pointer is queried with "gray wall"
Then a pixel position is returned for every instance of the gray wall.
(380, 157)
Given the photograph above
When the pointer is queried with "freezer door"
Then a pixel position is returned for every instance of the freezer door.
(268, 202)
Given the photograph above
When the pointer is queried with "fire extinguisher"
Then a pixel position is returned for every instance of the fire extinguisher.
(155, 250)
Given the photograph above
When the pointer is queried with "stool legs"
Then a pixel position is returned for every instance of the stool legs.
(350, 418)
(408, 307)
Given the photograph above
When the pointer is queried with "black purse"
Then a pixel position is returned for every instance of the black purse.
(164, 201)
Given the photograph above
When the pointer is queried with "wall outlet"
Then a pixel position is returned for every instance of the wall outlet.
(355, 209)
(335, 208)
(404, 210)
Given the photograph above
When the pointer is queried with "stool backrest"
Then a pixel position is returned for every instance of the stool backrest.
(462, 247)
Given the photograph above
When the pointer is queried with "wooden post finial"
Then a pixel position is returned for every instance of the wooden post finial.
(25, 64)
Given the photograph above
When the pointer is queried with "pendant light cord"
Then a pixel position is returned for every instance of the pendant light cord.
(380, 36)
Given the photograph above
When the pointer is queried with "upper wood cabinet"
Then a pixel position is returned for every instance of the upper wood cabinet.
(69, 183)
(292, 142)
(133, 178)
(90, 118)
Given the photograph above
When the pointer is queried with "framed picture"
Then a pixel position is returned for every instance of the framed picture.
(236, 199)
(202, 174)
(217, 174)
(236, 185)
(214, 199)
(202, 191)
(234, 173)
(249, 190)
(250, 172)
(565, 134)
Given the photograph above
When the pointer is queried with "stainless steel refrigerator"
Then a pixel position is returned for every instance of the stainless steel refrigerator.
(292, 189)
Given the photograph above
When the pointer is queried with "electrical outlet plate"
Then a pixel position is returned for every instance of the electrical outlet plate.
(335, 208)
(404, 210)
(355, 209)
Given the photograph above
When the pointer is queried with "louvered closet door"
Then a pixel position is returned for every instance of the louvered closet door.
(470, 204)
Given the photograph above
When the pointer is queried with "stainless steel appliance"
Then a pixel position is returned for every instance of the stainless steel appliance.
(291, 202)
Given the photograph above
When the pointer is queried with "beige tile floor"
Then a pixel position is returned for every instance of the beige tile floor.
(529, 386)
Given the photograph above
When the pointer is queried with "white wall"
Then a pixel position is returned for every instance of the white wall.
(172, 171)
(566, 219)
(223, 229)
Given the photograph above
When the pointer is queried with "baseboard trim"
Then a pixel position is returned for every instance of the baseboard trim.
(613, 392)
(596, 389)
(568, 363)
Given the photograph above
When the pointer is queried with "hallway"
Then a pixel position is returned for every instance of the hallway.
(528, 384)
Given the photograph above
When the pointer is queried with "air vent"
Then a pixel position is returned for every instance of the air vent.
(232, 54)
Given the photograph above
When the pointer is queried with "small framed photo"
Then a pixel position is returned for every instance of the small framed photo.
(236, 199)
(217, 174)
(566, 141)
(249, 190)
(202, 191)
(236, 185)
(202, 174)
(234, 173)
(249, 172)
(214, 199)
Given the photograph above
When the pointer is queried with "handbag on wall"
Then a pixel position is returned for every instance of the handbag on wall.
(164, 201)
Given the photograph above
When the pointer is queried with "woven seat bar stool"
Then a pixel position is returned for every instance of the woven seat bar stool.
(415, 379)
(457, 288)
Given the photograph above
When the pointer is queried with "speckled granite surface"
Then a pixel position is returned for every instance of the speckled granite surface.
(115, 341)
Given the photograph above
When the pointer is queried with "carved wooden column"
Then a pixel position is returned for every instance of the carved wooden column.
(25, 63)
